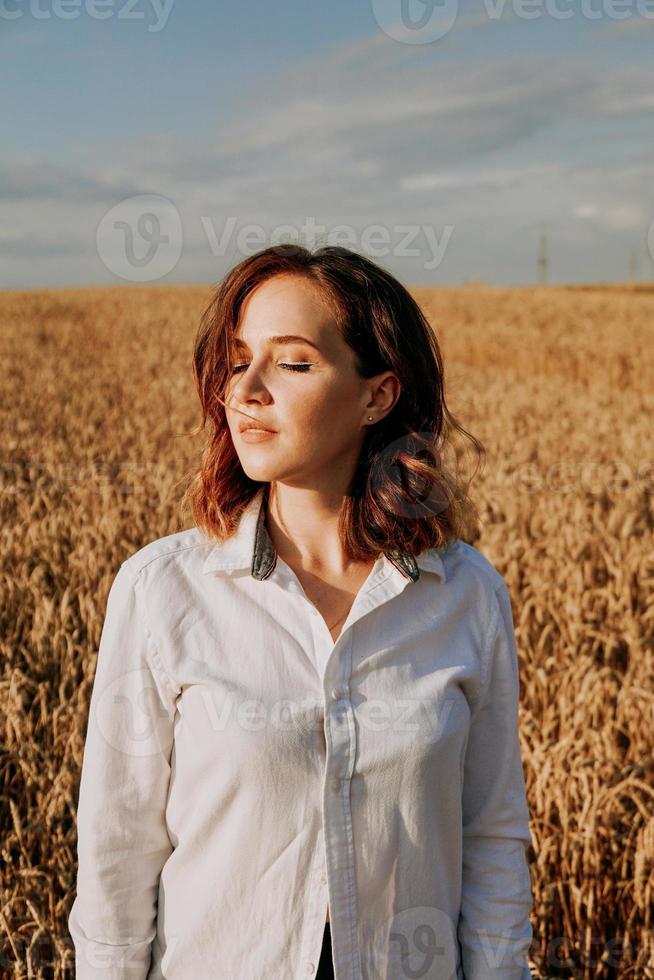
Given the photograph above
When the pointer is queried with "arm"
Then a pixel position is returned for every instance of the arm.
(122, 837)
(494, 929)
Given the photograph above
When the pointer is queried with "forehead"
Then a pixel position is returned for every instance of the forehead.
(284, 305)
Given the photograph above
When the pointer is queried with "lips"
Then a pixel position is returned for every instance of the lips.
(253, 427)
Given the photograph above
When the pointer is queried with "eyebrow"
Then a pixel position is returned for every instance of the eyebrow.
(279, 339)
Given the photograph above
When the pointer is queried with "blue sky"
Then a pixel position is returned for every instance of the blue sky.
(442, 158)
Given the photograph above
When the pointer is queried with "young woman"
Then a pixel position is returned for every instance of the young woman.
(303, 732)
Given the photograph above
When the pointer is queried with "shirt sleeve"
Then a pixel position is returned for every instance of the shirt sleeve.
(494, 928)
(122, 836)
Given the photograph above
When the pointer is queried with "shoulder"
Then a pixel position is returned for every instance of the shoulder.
(180, 552)
(464, 560)
(475, 583)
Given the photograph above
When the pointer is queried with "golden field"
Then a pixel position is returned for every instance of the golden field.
(98, 405)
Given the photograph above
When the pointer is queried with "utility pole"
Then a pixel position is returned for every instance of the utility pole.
(542, 257)
(648, 271)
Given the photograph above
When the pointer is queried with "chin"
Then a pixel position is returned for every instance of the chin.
(259, 470)
(269, 471)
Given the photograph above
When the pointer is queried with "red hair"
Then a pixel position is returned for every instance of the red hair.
(402, 496)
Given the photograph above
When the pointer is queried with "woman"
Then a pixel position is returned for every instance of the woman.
(303, 733)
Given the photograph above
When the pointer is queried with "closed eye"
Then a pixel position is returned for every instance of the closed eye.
(302, 366)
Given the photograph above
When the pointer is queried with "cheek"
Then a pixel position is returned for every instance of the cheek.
(326, 414)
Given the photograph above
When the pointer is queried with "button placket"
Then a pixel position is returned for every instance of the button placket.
(315, 918)
(336, 717)
(337, 817)
(339, 715)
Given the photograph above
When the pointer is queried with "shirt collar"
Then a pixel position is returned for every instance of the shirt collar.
(251, 547)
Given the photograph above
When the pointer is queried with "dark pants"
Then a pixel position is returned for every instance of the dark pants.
(325, 966)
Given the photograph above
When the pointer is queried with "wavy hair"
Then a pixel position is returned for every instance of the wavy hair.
(402, 495)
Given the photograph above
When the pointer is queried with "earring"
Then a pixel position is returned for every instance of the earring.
(370, 418)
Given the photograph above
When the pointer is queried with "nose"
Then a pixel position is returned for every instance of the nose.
(246, 388)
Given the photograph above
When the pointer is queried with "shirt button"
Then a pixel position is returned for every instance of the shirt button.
(311, 968)
(323, 879)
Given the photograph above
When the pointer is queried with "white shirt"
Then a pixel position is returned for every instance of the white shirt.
(241, 771)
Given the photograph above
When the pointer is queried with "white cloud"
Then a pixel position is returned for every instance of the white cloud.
(619, 215)
(624, 215)
(586, 211)
(483, 178)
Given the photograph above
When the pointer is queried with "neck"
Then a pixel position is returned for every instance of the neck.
(303, 526)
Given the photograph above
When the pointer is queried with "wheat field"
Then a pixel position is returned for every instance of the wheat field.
(98, 405)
